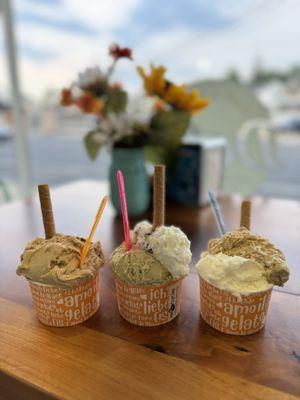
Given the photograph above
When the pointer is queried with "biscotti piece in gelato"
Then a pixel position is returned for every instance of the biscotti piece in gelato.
(156, 256)
(242, 242)
(56, 261)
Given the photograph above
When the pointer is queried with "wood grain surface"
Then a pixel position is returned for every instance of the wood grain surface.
(106, 350)
(80, 363)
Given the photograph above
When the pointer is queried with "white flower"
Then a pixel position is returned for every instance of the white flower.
(114, 128)
(90, 76)
(141, 109)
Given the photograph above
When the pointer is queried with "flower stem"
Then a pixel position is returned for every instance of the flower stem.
(111, 68)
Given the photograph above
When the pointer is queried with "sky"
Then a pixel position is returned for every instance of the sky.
(194, 39)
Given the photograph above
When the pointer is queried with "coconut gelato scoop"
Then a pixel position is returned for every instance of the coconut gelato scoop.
(55, 261)
(155, 257)
(236, 274)
(168, 244)
(243, 243)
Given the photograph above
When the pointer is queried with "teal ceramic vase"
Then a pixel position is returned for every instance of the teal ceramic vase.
(131, 162)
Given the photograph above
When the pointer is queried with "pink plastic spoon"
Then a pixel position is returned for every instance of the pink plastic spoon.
(121, 186)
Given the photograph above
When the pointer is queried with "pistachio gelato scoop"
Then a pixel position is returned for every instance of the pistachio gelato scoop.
(243, 243)
(55, 261)
(137, 266)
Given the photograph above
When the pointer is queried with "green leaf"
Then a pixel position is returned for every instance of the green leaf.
(162, 155)
(91, 146)
(167, 131)
(168, 127)
(155, 154)
(116, 101)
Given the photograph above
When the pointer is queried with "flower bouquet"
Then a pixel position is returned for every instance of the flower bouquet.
(94, 93)
(159, 133)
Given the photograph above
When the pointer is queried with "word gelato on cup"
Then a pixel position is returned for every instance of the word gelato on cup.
(148, 277)
(62, 271)
(237, 274)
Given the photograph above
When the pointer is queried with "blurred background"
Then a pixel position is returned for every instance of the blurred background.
(242, 55)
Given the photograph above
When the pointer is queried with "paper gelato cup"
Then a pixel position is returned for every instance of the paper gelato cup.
(61, 307)
(230, 314)
(148, 305)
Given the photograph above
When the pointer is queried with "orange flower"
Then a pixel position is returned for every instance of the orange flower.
(66, 98)
(89, 104)
(159, 105)
(98, 106)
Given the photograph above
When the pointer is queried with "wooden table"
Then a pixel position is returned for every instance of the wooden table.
(106, 357)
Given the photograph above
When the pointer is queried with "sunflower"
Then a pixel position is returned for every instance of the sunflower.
(154, 83)
(177, 96)
(181, 99)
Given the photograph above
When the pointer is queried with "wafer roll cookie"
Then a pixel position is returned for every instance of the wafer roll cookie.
(47, 213)
(245, 214)
(159, 196)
